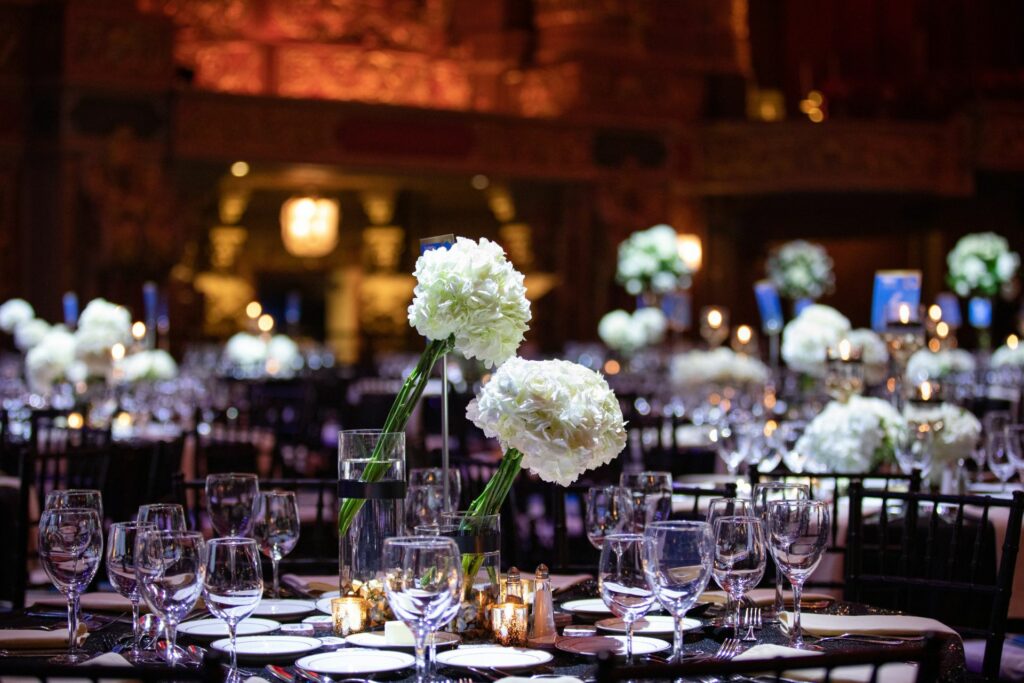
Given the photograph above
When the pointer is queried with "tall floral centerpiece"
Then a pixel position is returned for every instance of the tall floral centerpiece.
(627, 333)
(954, 434)
(468, 298)
(101, 327)
(801, 270)
(807, 338)
(852, 437)
(982, 265)
(649, 262)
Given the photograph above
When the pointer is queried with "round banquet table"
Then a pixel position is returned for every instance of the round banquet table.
(705, 639)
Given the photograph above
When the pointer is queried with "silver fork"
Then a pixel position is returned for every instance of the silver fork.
(729, 648)
(752, 617)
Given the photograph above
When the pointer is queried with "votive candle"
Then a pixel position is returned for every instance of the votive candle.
(350, 615)
(510, 623)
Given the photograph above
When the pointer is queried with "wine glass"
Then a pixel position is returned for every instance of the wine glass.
(607, 511)
(727, 445)
(424, 504)
(740, 556)
(798, 535)
(786, 437)
(764, 495)
(419, 476)
(677, 562)
(233, 586)
(1015, 446)
(997, 452)
(121, 572)
(276, 527)
(75, 498)
(728, 507)
(914, 449)
(70, 550)
(650, 495)
(170, 567)
(423, 577)
(229, 501)
(164, 516)
(623, 581)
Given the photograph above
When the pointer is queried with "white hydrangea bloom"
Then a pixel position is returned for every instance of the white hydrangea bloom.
(284, 352)
(801, 269)
(244, 349)
(154, 365)
(852, 437)
(471, 292)
(649, 261)
(924, 364)
(956, 431)
(627, 333)
(874, 353)
(561, 416)
(653, 323)
(981, 263)
(1005, 356)
(720, 366)
(13, 313)
(807, 338)
(29, 333)
(51, 359)
(101, 325)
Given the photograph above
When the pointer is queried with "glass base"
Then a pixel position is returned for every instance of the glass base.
(76, 657)
(803, 645)
(142, 657)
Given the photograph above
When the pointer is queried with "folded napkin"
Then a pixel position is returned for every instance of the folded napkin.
(93, 602)
(873, 624)
(107, 659)
(323, 583)
(895, 672)
(762, 597)
(563, 582)
(37, 639)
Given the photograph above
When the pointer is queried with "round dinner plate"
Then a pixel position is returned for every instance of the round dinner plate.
(284, 609)
(353, 661)
(376, 639)
(494, 656)
(215, 628)
(656, 624)
(268, 648)
(324, 605)
(586, 606)
(319, 619)
(591, 646)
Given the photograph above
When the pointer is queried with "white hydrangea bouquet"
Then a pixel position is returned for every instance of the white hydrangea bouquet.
(956, 432)
(14, 312)
(1008, 356)
(154, 365)
(801, 270)
(874, 354)
(981, 264)
(934, 365)
(807, 338)
(721, 366)
(853, 437)
(649, 261)
(627, 334)
(101, 326)
(52, 360)
(468, 298)
(279, 355)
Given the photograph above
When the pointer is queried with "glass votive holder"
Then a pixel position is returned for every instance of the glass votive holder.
(529, 587)
(351, 615)
(510, 623)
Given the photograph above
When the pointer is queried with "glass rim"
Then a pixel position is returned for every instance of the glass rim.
(274, 493)
(68, 511)
(425, 541)
(737, 519)
(804, 502)
(647, 473)
(56, 492)
(162, 506)
(231, 541)
(624, 536)
(678, 524)
(782, 484)
(174, 533)
(233, 475)
(731, 499)
(368, 432)
(133, 524)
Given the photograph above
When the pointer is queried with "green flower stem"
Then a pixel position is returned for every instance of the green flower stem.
(405, 402)
(489, 503)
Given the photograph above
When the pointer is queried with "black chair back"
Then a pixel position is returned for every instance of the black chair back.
(935, 555)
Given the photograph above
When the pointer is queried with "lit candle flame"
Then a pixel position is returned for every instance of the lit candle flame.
(926, 391)
(138, 330)
(845, 350)
(904, 313)
(744, 334)
(714, 318)
(942, 330)
(1012, 341)
(935, 313)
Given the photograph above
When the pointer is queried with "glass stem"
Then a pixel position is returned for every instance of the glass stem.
(729, 606)
(274, 561)
(421, 654)
(677, 642)
(780, 604)
(737, 602)
(72, 622)
(798, 636)
(171, 636)
(232, 629)
(136, 632)
(629, 642)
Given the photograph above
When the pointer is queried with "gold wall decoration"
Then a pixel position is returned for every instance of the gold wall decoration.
(382, 247)
(379, 205)
(225, 290)
(309, 226)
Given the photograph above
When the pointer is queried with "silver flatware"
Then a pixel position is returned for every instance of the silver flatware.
(729, 648)
(280, 673)
(752, 618)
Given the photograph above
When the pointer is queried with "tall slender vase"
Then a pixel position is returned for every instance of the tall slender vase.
(360, 549)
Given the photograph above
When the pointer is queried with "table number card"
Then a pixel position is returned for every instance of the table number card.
(892, 288)
(769, 305)
(436, 242)
(950, 306)
(979, 312)
(678, 309)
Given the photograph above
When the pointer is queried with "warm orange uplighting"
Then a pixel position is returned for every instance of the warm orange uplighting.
(690, 251)
(934, 345)
(612, 367)
(769, 427)
(309, 226)
(265, 323)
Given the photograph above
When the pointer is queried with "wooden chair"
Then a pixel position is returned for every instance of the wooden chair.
(935, 555)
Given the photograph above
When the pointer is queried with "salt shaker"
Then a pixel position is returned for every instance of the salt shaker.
(513, 586)
(542, 628)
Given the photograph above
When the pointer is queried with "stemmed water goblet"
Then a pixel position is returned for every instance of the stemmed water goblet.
(786, 437)
(229, 500)
(121, 572)
(233, 586)
(427, 476)
(606, 510)
(422, 578)
(164, 516)
(650, 497)
(276, 527)
(728, 507)
(75, 498)
(997, 452)
(739, 559)
(623, 581)
(764, 495)
(677, 562)
(798, 533)
(70, 550)
(1015, 447)
(170, 567)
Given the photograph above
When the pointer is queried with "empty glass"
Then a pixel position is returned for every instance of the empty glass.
(1015, 447)
(233, 586)
(914, 450)
(650, 497)
(740, 556)
(798, 535)
(276, 528)
(623, 581)
(170, 567)
(606, 512)
(425, 476)
(997, 452)
(786, 437)
(70, 550)
(764, 495)
(229, 501)
(121, 572)
(424, 504)
(728, 507)
(727, 445)
(677, 562)
(422, 578)
(75, 498)
(164, 516)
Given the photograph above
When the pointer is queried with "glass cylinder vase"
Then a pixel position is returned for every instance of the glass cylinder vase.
(479, 541)
(371, 493)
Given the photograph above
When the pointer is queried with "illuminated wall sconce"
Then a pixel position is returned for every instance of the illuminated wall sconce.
(309, 226)
(690, 251)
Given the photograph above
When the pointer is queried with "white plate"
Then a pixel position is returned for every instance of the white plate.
(647, 625)
(586, 606)
(376, 639)
(356, 661)
(324, 605)
(284, 608)
(591, 646)
(268, 648)
(494, 656)
(215, 628)
(319, 619)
